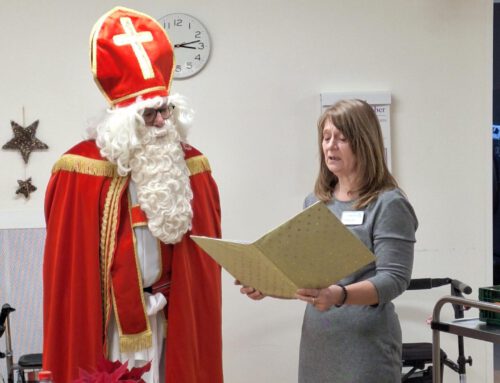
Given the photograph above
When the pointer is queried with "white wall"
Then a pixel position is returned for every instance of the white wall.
(257, 103)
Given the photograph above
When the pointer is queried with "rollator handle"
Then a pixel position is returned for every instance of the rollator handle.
(427, 283)
(460, 287)
(6, 310)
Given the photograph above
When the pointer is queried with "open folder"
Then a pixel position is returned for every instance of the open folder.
(311, 250)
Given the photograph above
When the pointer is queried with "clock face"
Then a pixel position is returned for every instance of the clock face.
(191, 43)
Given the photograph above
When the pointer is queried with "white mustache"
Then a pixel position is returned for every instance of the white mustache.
(157, 132)
(160, 132)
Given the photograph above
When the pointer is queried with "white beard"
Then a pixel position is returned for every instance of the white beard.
(162, 178)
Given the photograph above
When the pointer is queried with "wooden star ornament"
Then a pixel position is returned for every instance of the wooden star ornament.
(24, 140)
(25, 187)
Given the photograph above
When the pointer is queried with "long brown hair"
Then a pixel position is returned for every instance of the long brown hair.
(358, 123)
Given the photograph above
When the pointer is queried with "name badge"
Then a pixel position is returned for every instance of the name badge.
(352, 217)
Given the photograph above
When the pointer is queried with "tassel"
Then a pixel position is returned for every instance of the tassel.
(83, 165)
(136, 342)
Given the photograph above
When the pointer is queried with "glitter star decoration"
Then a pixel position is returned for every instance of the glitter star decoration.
(25, 187)
(24, 140)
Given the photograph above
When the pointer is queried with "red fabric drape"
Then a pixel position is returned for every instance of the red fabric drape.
(74, 324)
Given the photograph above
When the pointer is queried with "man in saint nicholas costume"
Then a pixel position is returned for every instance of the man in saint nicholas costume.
(122, 278)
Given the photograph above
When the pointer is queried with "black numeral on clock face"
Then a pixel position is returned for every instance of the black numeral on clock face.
(191, 42)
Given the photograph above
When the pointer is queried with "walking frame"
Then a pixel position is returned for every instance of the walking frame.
(25, 362)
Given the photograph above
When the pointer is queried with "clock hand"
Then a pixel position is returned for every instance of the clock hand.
(191, 42)
(183, 45)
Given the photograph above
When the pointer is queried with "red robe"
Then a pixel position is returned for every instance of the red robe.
(89, 265)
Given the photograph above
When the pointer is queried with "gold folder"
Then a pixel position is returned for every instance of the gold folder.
(311, 250)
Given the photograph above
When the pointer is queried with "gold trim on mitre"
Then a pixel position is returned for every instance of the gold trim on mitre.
(84, 165)
(93, 49)
(198, 164)
(138, 93)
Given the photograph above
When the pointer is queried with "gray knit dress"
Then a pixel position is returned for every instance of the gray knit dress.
(362, 344)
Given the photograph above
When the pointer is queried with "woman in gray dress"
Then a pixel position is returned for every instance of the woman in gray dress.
(350, 332)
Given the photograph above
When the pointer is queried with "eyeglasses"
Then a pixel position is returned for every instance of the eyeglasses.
(165, 111)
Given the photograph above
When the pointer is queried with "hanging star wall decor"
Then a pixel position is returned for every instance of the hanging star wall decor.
(24, 140)
(25, 187)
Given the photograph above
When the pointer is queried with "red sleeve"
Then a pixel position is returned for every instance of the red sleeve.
(72, 314)
(195, 303)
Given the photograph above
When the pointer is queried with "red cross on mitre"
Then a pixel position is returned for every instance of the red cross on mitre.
(131, 56)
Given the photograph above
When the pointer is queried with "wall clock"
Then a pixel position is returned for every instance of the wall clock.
(191, 43)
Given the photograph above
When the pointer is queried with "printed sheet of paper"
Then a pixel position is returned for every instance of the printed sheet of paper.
(311, 250)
